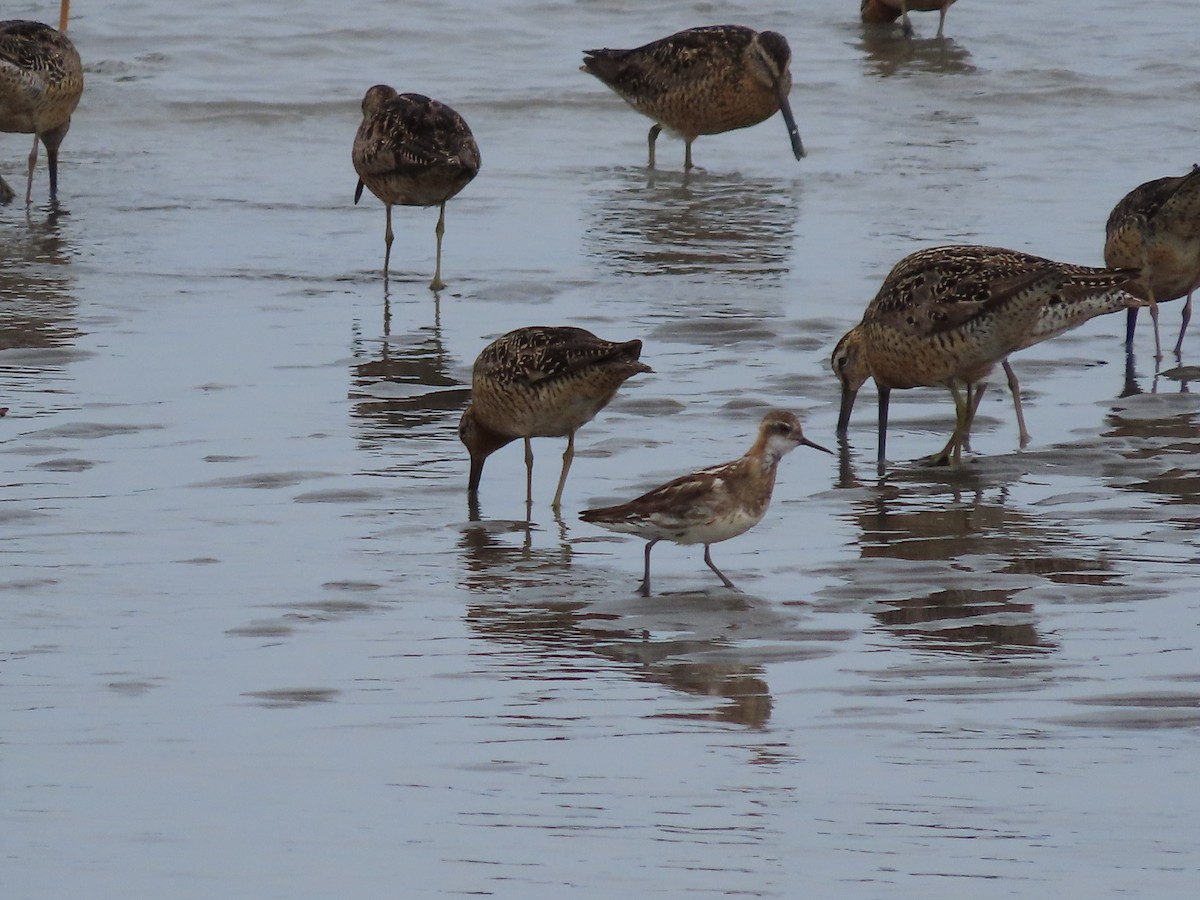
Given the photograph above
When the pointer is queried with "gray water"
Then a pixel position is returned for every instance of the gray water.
(255, 642)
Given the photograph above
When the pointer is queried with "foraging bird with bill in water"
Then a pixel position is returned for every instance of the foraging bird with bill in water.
(947, 315)
(41, 81)
(1156, 227)
(882, 11)
(704, 80)
(541, 381)
(412, 151)
(713, 504)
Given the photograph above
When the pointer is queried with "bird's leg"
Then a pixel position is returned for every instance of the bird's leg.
(32, 163)
(1153, 302)
(1186, 318)
(528, 472)
(687, 154)
(908, 29)
(951, 454)
(964, 416)
(644, 587)
(388, 237)
(437, 284)
(1014, 387)
(720, 574)
(655, 131)
(568, 456)
(942, 19)
(974, 399)
(884, 394)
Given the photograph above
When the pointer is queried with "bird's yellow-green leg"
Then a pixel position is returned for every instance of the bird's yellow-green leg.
(528, 472)
(440, 229)
(568, 456)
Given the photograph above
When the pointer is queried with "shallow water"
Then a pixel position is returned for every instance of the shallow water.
(256, 643)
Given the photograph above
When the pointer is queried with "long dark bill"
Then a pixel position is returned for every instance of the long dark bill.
(790, 121)
(476, 473)
(847, 407)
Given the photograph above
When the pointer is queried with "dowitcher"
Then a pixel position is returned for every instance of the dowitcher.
(412, 151)
(41, 80)
(882, 11)
(712, 505)
(541, 382)
(947, 315)
(703, 81)
(1156, 227)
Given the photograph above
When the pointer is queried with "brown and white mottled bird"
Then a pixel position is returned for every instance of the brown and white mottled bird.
(41, 81)
(883, 11)
(412, 151)
(541, 381)
(712, 505)
(1156, 227)
(947, 315)
(703, 81)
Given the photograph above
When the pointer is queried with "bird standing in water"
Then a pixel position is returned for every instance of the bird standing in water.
(703, 81)
(541, 381)
(41, 81)
(712, 505)
(948, 315)
(412, 151)
(881, 11)
(1156, 227)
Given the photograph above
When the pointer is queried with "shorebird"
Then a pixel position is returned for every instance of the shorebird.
(882, 11)
(541, 382)
(712, 505)
(412, 151)
(947, 315)
(41, 80)
(1156, 227)
(703, 81)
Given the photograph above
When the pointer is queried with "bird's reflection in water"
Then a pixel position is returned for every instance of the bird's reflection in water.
(886, 52)
(37, 310)
(402, 385)
(726, 225)
(1161, 459)
(969, 553)
(533, 599)
(1181, 375)
(975, 621)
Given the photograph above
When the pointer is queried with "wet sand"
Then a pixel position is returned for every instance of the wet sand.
(257, 642)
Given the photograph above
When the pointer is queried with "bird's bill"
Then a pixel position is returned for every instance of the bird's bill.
(476, 473)
(358, 192)
(807, 443)
(848, 396)
(793, 132)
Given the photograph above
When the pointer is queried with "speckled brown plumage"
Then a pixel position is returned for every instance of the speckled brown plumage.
(948, 315)
(703, 81)
(876, 12)
(712, 505)
(412, 151)
(541, 381)
(1156, 227)
(41, 81)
